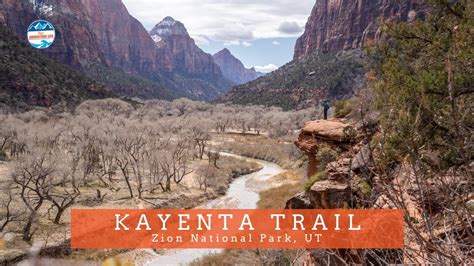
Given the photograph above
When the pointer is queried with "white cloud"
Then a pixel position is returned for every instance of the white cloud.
(276, 43)
(227, 21)
(290, 27)
(236, 33)
(232, 43)
(237, 43)
(200, 40)
(246, 44)
(266, 68)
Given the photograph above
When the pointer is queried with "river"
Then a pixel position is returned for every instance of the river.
(242, 194)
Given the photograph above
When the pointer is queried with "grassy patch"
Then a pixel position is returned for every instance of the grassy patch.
(365, 186)
(286, 155)
(315, 178)
(275, 198)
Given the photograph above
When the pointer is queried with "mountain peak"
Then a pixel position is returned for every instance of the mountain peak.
(233, 69)
(167, 27)
(225, 51)
(169, 19)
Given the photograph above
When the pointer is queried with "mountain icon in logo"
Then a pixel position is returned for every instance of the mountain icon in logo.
(40, 25)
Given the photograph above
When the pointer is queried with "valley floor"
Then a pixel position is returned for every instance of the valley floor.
(54, 238)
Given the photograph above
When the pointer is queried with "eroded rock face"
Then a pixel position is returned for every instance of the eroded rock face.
(329, 194)
(335, 190)
(361, 160)
(337, 25)
(325, 194)
(300, 201)
(339, 170)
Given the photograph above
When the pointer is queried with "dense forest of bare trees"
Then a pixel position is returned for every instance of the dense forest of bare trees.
(147, 148)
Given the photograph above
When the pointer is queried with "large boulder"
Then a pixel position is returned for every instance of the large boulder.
(361, 161)
(318, 131)
(330, 130)
(314, 133)
(300, 201)
(329, 194)
(339, 170)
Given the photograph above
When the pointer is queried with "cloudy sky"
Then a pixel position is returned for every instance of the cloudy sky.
(261, 33)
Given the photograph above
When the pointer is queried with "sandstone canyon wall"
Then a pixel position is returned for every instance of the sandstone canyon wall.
(88, 31)
(337, 25)
(99, 37)
(320, 70)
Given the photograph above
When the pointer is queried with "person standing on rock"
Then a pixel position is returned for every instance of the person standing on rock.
(326, 106)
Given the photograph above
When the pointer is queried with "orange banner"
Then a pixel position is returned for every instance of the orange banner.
(236, 229)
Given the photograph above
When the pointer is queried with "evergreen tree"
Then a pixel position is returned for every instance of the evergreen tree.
(425, 86)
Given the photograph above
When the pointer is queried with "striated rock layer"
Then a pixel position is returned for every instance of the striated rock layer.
(337, 25)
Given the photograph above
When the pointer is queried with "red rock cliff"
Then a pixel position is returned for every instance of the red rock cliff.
(88, 31)
(337, 25)
(91, 33)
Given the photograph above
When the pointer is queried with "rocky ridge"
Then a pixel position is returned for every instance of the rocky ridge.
(345, 182)
(334, 190)
(304, 83)
(351, 180)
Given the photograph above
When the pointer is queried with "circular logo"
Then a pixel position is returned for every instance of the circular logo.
(41, 34)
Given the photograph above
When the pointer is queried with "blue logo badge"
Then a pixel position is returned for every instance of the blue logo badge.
(41, 34)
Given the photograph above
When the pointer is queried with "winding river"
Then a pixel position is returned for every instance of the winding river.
(242, 194)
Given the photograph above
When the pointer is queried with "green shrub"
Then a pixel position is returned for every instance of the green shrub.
(349, 134)
(343, 108)
(325, 155)
(365, 187)
(315, 178)
(388, 151)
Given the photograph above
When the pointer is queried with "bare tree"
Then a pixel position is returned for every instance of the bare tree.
(6, 138)
(222, 122)
(33, 176)
(9, 212)
(206, 176)
(123, 163)
(201, 139)
(64, 196)
(257, 120)
(153, 156)
(183, 106)
(174, 163)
